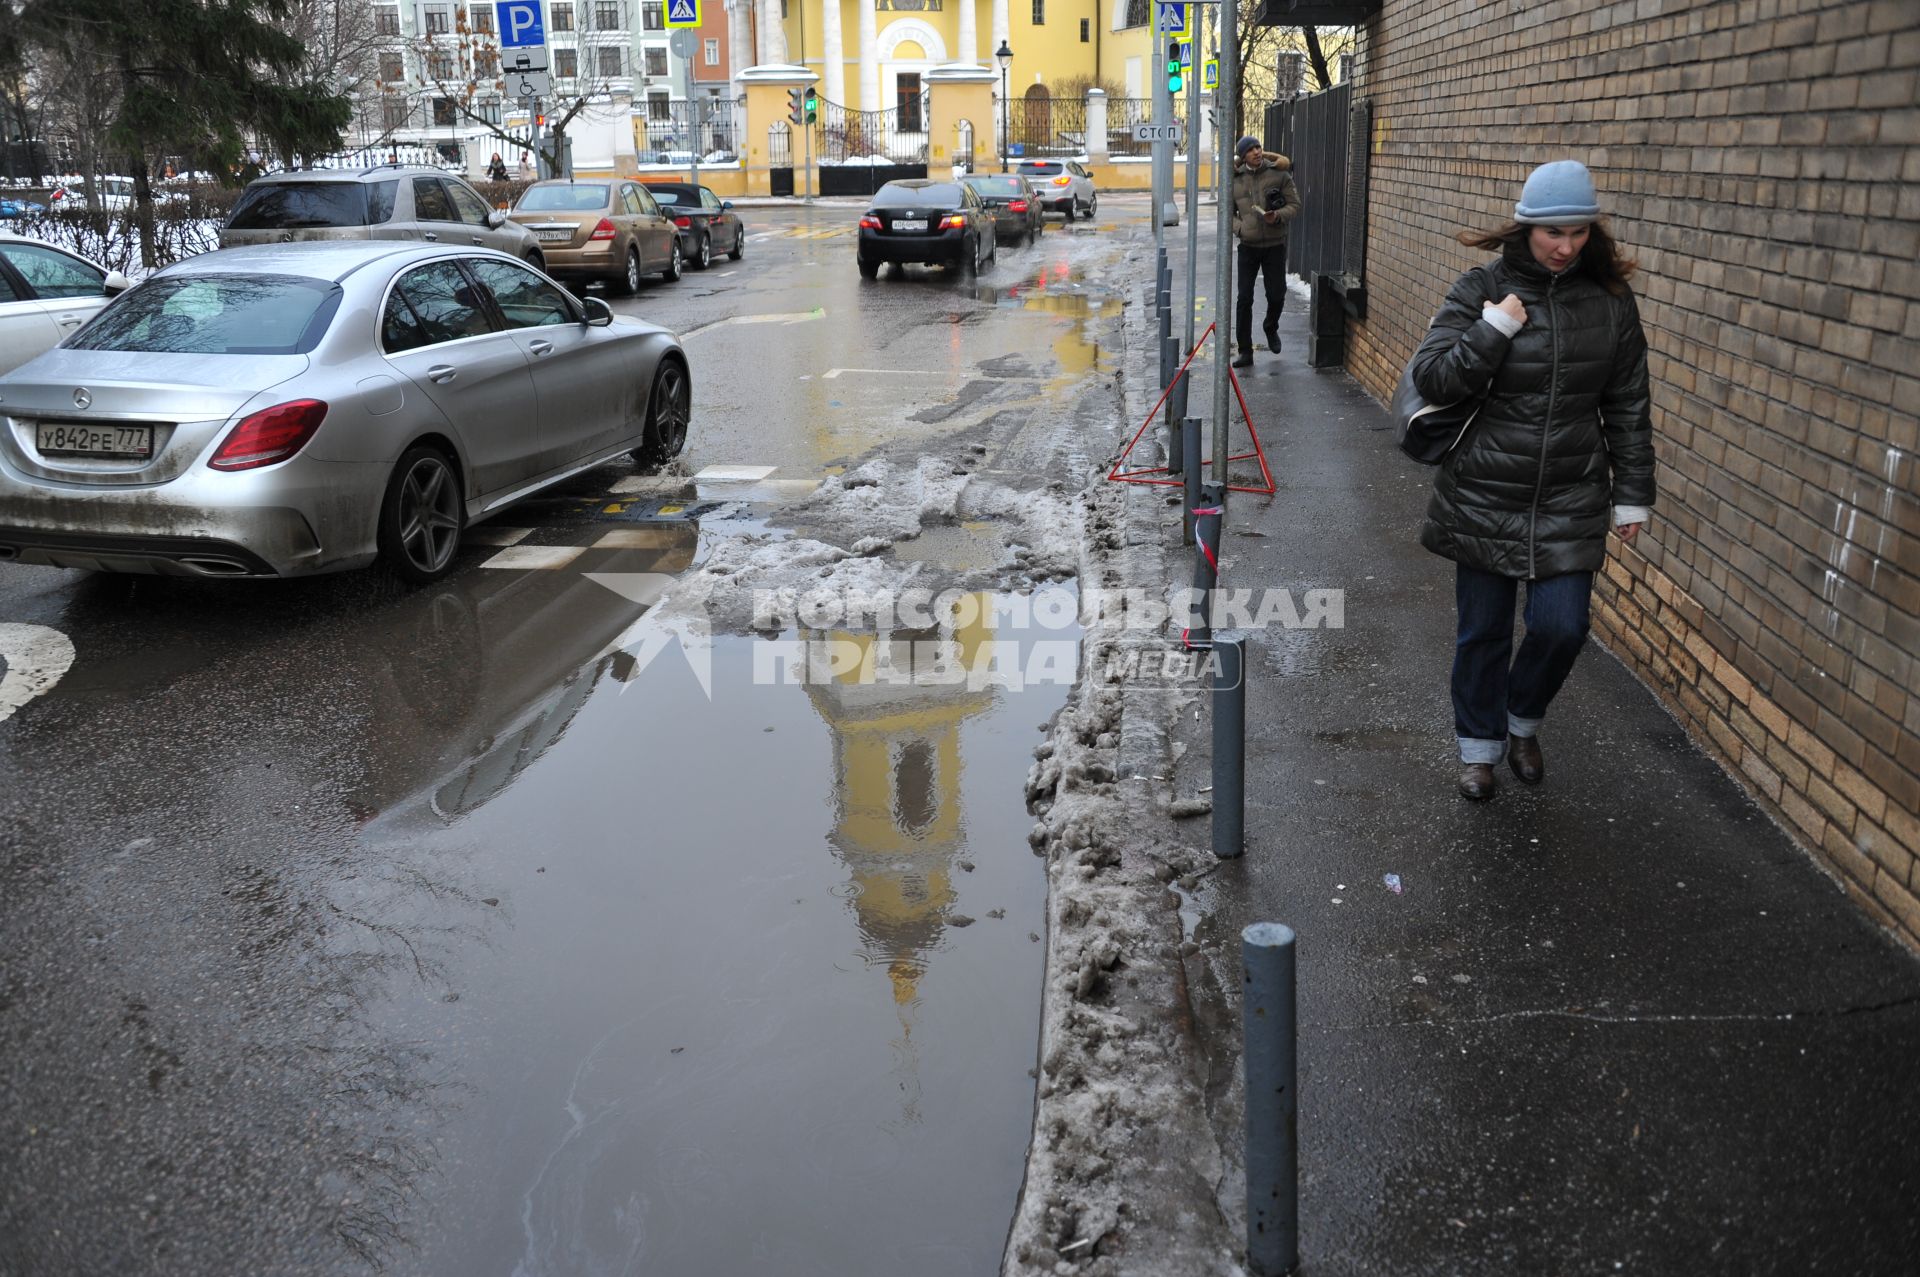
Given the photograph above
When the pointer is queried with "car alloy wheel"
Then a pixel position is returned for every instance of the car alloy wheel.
(630, 282)
(421, 518)
(1093, 205)
(672, 272)
(704, 257)
(669, 411)
(739, 243)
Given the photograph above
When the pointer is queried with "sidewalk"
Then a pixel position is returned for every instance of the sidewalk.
(1615, 1023)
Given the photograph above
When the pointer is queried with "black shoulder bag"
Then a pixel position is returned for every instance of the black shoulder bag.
(1428, 432)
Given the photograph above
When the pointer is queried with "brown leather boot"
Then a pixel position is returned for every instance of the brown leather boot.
(1523, 755)
(1245, 358)
(1476, 781)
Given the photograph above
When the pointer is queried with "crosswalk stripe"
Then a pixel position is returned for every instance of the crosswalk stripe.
(490, 535)
(535, 556)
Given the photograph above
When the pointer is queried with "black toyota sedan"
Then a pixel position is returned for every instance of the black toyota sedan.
(708, 225)
(931, 222)
(1017, 211)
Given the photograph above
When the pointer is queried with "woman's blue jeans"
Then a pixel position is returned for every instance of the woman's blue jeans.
(1496, 693)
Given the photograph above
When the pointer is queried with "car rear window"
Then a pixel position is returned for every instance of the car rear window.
(933, 196)
(997, 185)
(667, 195)
(281, 206)
(1043, 168)
(215, 315)
(574, 198)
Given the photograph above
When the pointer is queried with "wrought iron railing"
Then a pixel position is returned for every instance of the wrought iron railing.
(848, 136)
(1124, 113)
(1037, 127)
(675, 132)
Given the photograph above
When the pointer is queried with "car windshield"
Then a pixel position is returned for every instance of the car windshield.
(215, 315)
(279, 206)
(996, 185)
(568, 198)
(1042, 168)
(937, 195)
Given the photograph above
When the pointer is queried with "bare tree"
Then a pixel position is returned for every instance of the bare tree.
(464, 70)
(342, 49)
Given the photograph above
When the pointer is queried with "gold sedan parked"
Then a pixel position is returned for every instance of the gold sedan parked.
(607, 230)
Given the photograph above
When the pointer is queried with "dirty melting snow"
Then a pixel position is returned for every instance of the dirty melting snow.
(1123, 1172)
(840, 535)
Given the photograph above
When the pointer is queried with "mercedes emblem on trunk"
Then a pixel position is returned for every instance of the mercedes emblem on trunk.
(82, 398)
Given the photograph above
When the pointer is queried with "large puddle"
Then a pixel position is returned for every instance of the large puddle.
(721, 984)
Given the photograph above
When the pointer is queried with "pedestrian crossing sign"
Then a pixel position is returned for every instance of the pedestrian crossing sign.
(1210, 75)
(683, 13)
(1173, 18)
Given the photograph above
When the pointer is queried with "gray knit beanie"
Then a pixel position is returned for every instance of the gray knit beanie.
(1558, 194)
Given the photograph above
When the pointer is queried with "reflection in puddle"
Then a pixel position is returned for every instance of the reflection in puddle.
(761, 983)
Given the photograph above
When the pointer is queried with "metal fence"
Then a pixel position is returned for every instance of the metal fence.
(780, 158)
(861, 151)
(1124, 113)
(675, 132)
(1039, 126)
(1314, 132)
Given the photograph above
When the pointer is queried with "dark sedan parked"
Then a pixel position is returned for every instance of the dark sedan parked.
(935, 223)
(1017, 211)
(708, 225)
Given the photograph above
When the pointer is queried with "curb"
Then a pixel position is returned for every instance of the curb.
(1123, 1172)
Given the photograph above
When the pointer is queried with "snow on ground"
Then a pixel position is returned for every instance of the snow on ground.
(839, 536)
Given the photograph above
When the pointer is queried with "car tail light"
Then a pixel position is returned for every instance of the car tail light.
(270, 435)
(683, 222)
(1062, 180)
(869, 222)
(1018, 206)
(954, 222)
(604, 230)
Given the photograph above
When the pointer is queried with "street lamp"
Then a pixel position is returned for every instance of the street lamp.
(1004, 56)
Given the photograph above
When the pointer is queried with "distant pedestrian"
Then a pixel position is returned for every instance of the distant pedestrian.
(497, 169)
(1265, 199)
(1550, 335)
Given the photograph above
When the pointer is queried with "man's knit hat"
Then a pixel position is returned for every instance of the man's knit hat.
(1245, 144)
(1558, 194)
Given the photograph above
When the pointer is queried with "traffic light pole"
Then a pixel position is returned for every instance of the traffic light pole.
(1226, 128)
(1162, 154)
(1196, 105)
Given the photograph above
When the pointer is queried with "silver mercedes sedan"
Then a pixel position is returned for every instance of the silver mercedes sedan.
(300, 408)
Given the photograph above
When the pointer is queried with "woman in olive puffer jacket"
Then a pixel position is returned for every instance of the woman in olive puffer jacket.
(1561, 448)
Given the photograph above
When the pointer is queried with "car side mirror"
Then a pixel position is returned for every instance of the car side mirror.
(595, 313)
(725, 205)
(496, 219)
(114, 284)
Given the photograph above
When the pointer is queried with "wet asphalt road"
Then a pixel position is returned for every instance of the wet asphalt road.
(349, 928)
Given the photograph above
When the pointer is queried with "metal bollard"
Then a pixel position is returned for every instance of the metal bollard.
(1174, 378)
(1190, 472)
(1159, 280)
(1229, 744)
(1269, 1047)
(1168, 360)
(1207, 518)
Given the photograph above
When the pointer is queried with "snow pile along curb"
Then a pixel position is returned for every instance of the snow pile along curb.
(1123, 1172)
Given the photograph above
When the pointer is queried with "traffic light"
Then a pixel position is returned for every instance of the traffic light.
(1175, 81)
(797, 106)
(812, 102)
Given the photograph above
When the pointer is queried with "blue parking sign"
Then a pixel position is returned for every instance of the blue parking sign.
(521, 24)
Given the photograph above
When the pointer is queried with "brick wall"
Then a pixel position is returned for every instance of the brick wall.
(1761, 160)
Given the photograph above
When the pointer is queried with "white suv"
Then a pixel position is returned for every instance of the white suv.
(1064, 186)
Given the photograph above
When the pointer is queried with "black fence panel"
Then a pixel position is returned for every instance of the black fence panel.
(1313, 132)
(678, 132)
(780, 158)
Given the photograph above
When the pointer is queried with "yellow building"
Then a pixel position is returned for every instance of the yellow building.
(876, 56)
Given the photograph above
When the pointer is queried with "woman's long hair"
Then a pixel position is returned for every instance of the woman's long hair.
(1601, 257)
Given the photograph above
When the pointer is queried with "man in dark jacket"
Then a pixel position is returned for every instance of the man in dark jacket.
(1265, 199)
